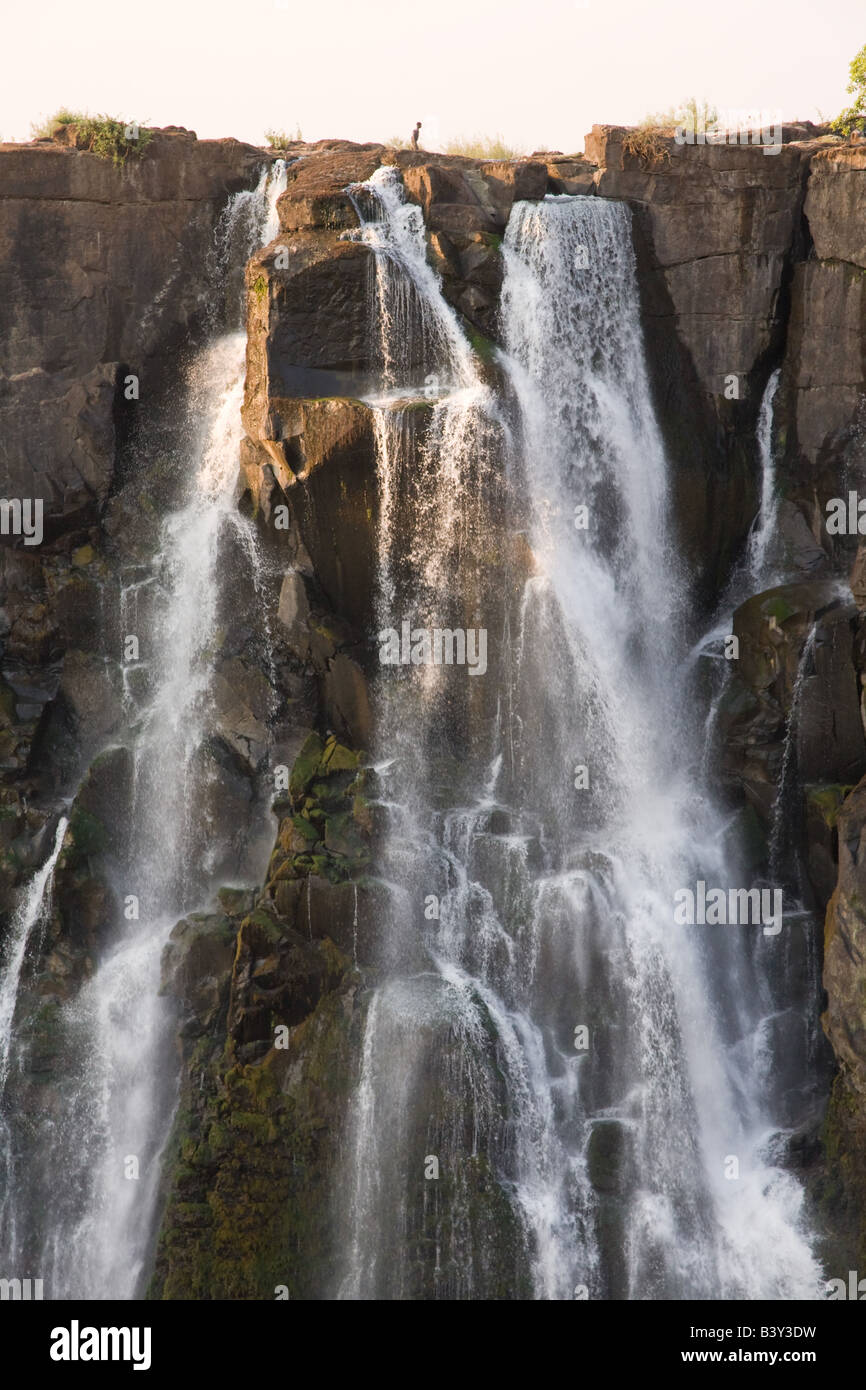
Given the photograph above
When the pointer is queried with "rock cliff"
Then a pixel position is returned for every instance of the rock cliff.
(747, 263)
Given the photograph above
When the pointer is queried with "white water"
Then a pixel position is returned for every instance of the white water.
(32, 911)
(590, 431)
(785, 790)
(33, 906)
(122, 1107)
(119, 1092)
(248, 221)
(562, 914)
(764, 531)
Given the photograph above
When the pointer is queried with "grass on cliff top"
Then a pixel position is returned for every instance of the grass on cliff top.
(646, 141)
(109, 137)
(483, 147)
(41, 130)
(694, 114)
(281, 139)
(476, 147)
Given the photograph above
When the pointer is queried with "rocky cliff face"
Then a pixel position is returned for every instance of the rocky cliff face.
(107, 273)
(748, 263)
(106, 269)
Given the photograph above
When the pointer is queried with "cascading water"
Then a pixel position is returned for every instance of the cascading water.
(34, 904)
(80, 1209)
(788, 770)
(32, 911)
(688, 1003)
(764, 530)
(587, 1083)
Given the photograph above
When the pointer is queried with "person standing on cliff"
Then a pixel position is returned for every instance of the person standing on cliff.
(415, 136)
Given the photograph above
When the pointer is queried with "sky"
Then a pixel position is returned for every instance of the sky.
(537, 72)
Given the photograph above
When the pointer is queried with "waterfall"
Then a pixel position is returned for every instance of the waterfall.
(763, 532)
(248, 220)
(34, 904)
(98, 1155)
(33, 909)
(687, 1000)
(588, 1084)
(786, 791)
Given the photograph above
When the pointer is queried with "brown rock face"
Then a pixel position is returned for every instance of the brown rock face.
(716, 230)
(773, 629)
(845, 1017)
(749, 259)
(834, 203)
(316, 185)
(721, 221)
(824, 378)
(102, 267)
(466, 205)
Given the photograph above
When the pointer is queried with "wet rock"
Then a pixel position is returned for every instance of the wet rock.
(772, 629)
(845, 1018)
(241, 698)
(330, 491)
(293, 612)
(196, 969)
(607, 1156)
(823, 801)
(569, 174)
(347, 700)
(315, 195)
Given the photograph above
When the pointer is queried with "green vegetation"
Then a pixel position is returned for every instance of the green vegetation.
(281, 139)
(42, 130)
(85, 838)
(483, 147)
(325, 820)
(826, 799)
(854, 116)
(109, 137)
(481, 346)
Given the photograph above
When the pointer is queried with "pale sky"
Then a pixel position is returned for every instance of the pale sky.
(538, 72)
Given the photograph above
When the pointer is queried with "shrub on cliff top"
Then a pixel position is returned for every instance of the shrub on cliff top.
(281, 139)
(854, 116)
(695, 115)
(109, 137)
(646, 145)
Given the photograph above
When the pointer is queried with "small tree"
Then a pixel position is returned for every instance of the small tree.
(854, 117)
